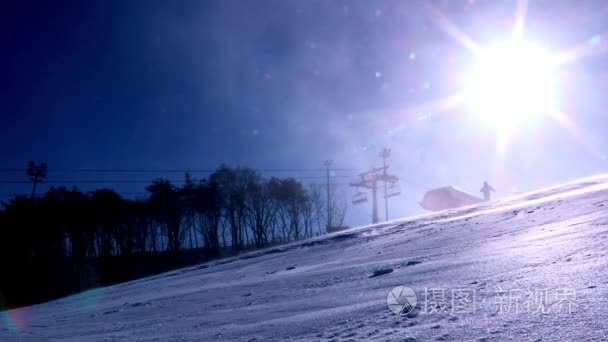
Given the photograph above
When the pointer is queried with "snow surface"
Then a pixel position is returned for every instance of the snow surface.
(323, 289)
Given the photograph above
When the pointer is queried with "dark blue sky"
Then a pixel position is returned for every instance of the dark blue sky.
(282, 84)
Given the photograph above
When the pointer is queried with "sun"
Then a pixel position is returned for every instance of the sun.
(510, 84)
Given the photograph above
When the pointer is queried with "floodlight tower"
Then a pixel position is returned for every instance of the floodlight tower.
(36, 173)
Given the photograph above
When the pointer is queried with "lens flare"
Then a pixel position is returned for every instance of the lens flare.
(13, 320)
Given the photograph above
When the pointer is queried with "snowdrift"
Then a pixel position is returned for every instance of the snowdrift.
(447, 197)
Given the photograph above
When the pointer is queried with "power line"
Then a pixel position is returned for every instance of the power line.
(88, 181)
(139, 180)
(120, 193)
(194, 170)
(110, 182)
(123, 193)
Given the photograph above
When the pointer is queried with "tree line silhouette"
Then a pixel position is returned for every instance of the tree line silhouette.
(67, 241)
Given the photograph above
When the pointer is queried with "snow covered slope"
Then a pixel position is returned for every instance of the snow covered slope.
(545, 250)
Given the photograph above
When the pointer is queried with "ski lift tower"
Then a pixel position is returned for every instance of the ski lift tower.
(369, 180)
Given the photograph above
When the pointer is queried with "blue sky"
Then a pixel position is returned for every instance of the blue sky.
(275, 84)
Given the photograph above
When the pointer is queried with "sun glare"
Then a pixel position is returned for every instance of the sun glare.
(510, 84)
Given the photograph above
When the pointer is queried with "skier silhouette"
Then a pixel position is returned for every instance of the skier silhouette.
(487, 191)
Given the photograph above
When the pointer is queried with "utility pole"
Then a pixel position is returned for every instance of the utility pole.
(369, 180)
(36, 173)
(327, 164)
(386, 152)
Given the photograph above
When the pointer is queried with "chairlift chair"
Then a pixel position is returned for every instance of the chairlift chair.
(360, 197)
(393, 190)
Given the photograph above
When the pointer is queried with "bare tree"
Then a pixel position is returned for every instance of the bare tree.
(233, 185)
(208, 206)
(291, 198)
(338, 206)
(261, 210)
(167, 211)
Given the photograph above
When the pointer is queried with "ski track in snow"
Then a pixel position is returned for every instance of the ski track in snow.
(335, 287)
